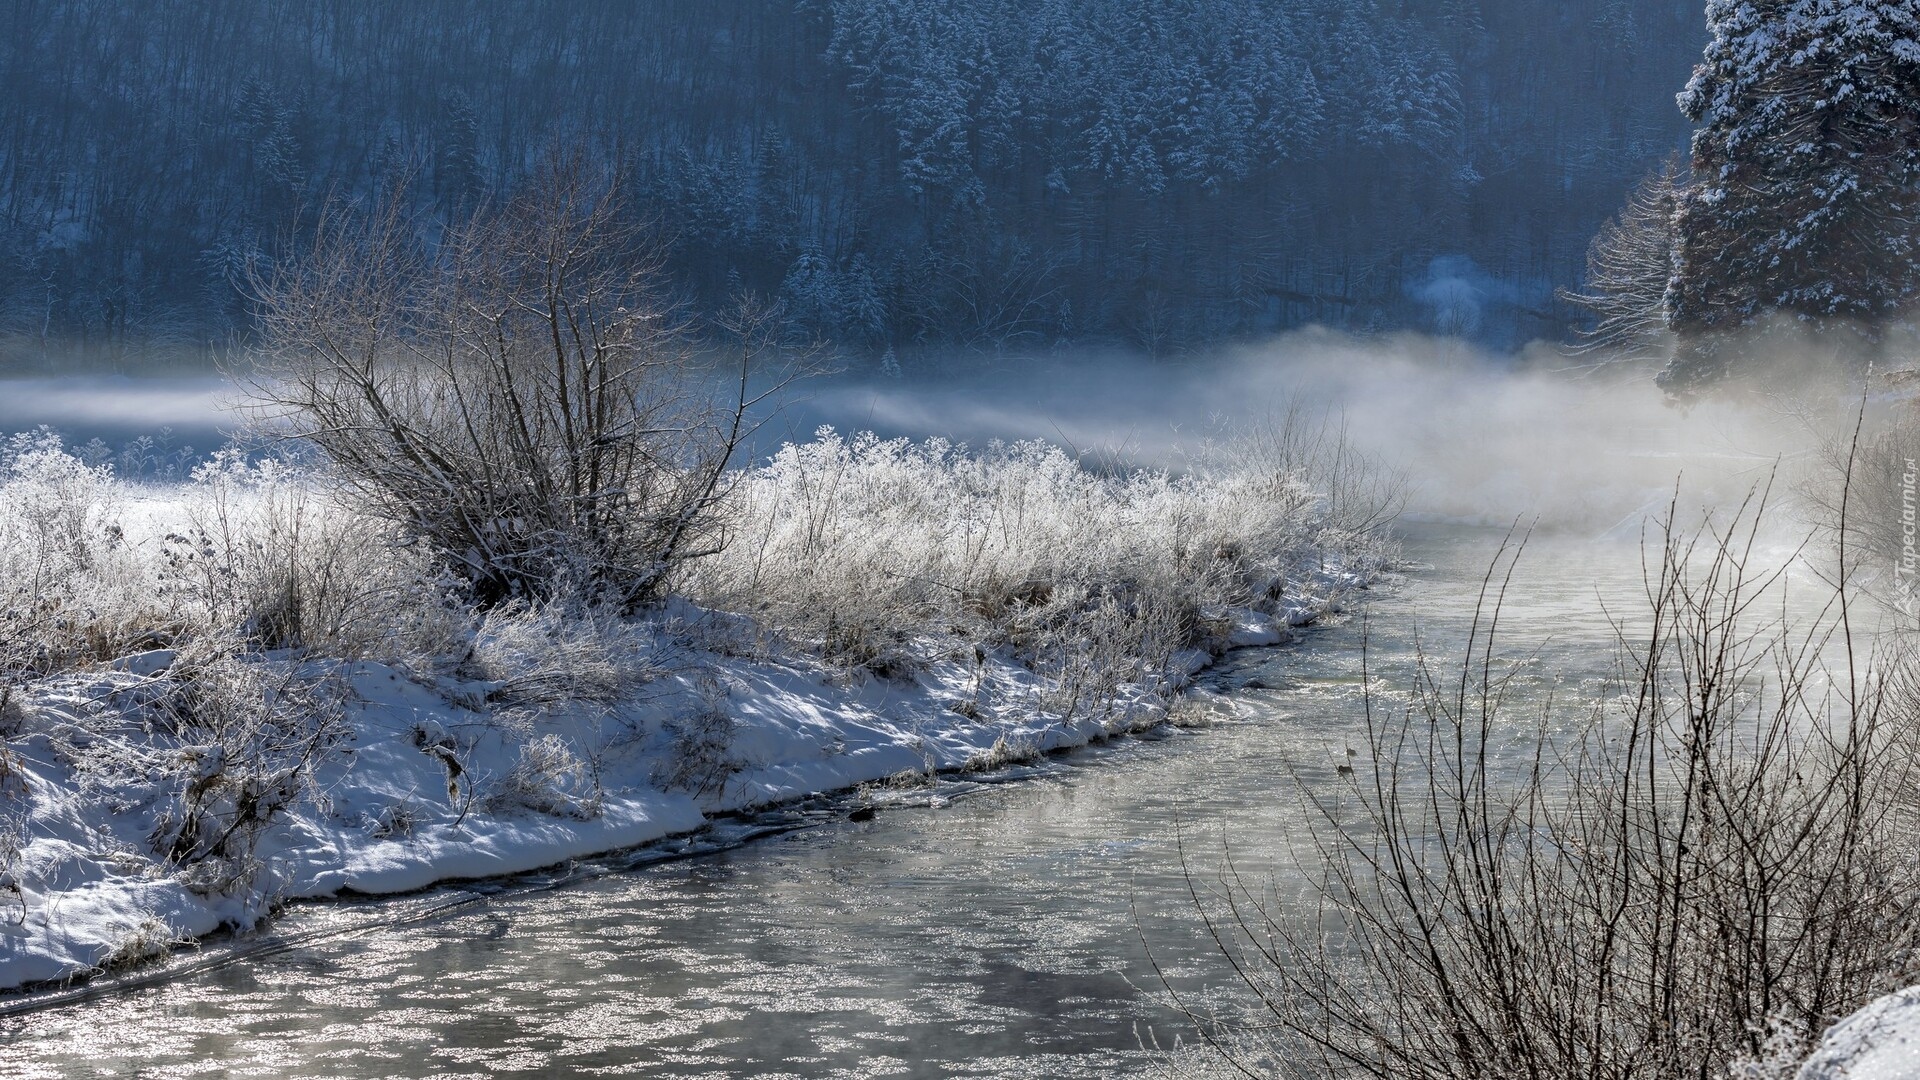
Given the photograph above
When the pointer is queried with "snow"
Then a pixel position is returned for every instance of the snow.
(1880, 1042)
(428, 782)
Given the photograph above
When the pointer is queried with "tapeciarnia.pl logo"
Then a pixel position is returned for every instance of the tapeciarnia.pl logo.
(1909, 564)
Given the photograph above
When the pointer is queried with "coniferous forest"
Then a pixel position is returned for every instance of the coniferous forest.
(906, 174)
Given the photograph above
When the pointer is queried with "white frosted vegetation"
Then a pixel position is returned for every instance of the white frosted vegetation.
(872, 551)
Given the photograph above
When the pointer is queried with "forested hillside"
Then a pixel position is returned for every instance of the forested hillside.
(902, 173)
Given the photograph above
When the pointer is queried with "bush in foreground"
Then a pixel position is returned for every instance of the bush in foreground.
(1719, 863)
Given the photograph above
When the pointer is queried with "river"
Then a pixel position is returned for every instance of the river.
(969, 929)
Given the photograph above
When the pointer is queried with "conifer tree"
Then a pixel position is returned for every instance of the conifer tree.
(1806, 201)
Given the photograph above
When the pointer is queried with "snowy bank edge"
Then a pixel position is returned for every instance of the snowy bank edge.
(89, 921)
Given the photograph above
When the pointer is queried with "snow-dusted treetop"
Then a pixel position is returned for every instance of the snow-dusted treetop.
(1807, 169)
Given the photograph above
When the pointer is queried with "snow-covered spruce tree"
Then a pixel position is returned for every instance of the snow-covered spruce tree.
(1807, 168)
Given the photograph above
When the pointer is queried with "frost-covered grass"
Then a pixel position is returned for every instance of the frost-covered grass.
(874, 552)
(97, 567)
(224, 693)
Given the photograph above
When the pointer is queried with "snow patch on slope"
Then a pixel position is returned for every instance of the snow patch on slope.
(1880, 1042)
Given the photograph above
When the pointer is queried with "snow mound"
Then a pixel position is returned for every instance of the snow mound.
(1880, 1042)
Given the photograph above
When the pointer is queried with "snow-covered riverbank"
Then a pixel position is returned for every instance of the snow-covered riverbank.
(1880, 1042)
(424, 782)
(220, 696)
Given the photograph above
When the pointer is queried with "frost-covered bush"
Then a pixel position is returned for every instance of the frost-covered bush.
(92, 567)
(548, 777)
(208, 752)
(73, 588)
(864, 546)
(245, 736)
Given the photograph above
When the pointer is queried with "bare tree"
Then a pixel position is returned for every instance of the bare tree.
(514, 393)
(999, 294)
(1628, 267)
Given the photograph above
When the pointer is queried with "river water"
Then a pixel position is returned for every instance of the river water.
(998, 929)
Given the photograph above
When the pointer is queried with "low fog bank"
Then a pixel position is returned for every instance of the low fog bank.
(194, 409)
(1484, 439)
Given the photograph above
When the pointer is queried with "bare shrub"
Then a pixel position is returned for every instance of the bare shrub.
(1359, 495)
(252, 736)
(702, 757)
(515, 395)
(1862, 460)
(550, 779)
(1716, 865)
